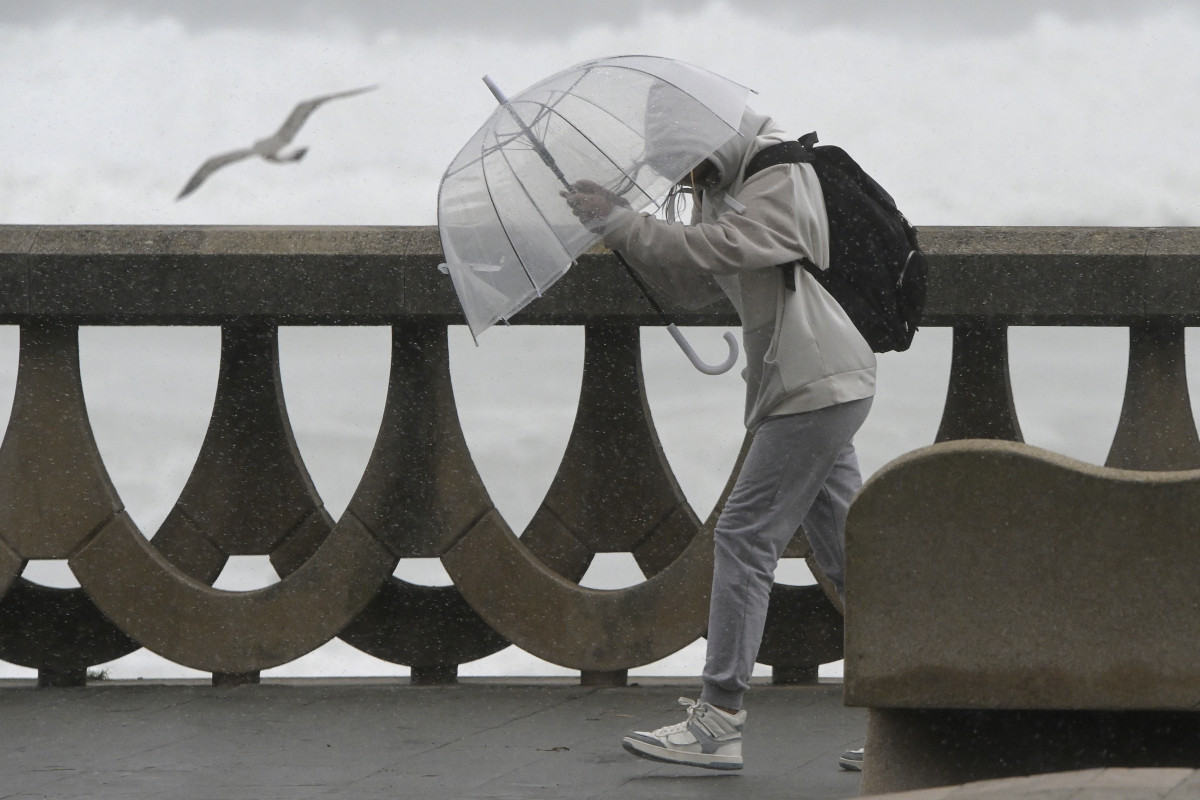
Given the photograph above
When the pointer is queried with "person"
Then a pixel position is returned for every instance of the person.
(810, 382)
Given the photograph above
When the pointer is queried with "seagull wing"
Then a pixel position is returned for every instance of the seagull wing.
(300, 113)
(211, 166)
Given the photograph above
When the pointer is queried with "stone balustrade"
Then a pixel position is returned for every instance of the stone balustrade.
(420, 495)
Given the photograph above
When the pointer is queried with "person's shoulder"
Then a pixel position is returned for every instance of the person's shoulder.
(774, 174)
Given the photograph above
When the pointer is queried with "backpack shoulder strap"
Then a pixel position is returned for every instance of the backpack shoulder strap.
(800, 151)
(783, 153)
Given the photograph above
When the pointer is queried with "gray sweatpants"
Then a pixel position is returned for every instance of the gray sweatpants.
(801, 468)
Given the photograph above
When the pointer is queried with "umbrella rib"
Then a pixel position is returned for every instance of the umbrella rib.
(735, 130)
(550, 108)
(633, 180)
(540, 213)
(563, 94)
(504, 230)
(547, 108)
(501, 143)
(549, 226)
(589, 69)
(676, 86)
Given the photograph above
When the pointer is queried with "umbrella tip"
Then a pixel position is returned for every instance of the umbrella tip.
(497, 92)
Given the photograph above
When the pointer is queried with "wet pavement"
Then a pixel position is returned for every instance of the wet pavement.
(365, 739)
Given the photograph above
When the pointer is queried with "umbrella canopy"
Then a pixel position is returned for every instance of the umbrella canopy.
(507, 235)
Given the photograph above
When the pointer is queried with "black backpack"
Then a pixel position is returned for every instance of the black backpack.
(876, 268)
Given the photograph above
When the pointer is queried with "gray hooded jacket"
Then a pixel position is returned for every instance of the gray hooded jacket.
(802, 351)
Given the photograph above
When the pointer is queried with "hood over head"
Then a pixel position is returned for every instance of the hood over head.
(677, 142)
(731, 158)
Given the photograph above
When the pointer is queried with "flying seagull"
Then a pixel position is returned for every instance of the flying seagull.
(270, 147)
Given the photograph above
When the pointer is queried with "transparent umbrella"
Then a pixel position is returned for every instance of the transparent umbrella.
(507, 234)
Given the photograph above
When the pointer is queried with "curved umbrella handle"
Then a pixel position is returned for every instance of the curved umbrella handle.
(719, 369)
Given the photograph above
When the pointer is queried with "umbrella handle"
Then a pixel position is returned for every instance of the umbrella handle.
(699, 364)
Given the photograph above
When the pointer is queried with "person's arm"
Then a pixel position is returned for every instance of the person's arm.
(780, 224)
(595, 206)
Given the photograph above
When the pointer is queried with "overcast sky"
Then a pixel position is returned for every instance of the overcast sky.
(549, 18)
(118, 101)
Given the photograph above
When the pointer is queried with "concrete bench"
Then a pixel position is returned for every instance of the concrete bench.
(1011, 611)
(1092, 784)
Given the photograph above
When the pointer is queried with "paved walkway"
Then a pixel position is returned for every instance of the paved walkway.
(1113, 783)
(542, 738)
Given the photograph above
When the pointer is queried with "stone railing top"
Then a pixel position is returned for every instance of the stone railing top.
(196, 275)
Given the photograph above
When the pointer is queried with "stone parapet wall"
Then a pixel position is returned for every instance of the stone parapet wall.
(420, 494)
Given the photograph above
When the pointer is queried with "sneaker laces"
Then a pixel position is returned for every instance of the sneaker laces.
(680, 727)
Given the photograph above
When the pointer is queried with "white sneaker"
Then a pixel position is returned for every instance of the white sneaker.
(852, 760)
(708, 738)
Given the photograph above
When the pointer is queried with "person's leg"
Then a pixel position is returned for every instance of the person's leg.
(825, 528)
(784, 471)
(789, 464)
(825, 525)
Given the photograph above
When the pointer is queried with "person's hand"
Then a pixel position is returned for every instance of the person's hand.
(590, 202)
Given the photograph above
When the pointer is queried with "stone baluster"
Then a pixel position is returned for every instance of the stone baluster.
(248, 494)
(979, 399)
(56, 494)
(419, 494)
(613, 492)
(1156, 430)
